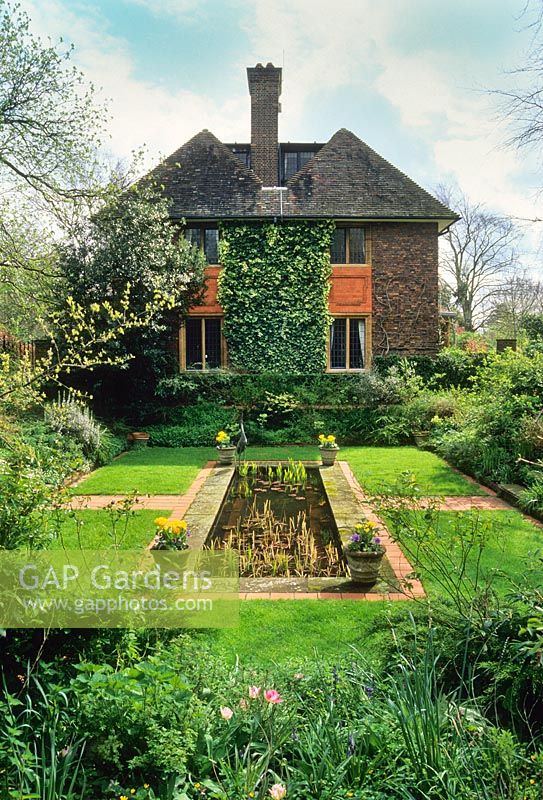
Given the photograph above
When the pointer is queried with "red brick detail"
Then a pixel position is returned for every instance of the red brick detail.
(350, 291)
(405, 288)
(209, 303)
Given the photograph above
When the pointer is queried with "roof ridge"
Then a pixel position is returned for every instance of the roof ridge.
(204, 134)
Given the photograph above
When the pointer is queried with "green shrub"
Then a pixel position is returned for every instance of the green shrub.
(193, 426)
(248, 390)
(451, 367)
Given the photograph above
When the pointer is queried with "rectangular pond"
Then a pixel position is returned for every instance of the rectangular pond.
(277, 516)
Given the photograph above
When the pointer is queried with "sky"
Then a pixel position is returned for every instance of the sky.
(409, 77)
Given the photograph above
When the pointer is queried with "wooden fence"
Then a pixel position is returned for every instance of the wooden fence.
(8, 344)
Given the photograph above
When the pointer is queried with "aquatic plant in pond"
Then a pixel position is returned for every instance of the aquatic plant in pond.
(277, 518)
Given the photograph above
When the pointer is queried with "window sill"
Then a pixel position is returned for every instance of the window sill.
(331, 371)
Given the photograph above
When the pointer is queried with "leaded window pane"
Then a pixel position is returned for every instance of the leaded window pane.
(211, 245)
(357, 338)
(290, 165)
(338, 344)
(213, 343)
(304, 157)
(338, 250)
(192, 235)
(193, 343)
(357, 250)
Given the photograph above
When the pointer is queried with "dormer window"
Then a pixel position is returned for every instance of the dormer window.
(294, 161)
(348, 246)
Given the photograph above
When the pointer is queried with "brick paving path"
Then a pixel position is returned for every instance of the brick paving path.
(179, 504)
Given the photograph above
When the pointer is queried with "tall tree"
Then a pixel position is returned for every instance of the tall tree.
(519, 298)
(50, 125)
(50, 133)
(476, 255)
(130, 246)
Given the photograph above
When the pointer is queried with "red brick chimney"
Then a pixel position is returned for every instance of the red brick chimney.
(265, 91)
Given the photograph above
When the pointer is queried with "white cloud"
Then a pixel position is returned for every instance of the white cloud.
(142, 112)
(354, 48)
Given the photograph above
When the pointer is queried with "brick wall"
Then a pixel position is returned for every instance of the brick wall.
(265, 90)
(405, 288)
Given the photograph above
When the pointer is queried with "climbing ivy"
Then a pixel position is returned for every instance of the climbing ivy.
(274, 289)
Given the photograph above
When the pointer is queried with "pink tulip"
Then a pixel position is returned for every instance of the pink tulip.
(273, 697)
(226, 713)
(278, 791)
(254, 691)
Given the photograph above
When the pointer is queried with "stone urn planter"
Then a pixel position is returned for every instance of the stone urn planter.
(421, 438)
(328, 455)
(226, 455)
(138, 439)
(364, 566)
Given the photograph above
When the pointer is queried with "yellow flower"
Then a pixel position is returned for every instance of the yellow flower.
(145, 785)
(222, 437)
(197, 785)
(161, 521)
(322, 437)
(123, 797)
(331, 438)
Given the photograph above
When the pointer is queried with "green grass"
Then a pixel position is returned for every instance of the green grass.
(163, 470)
(512, 549)
(154, 470)
(96, 531)
(376, 468)
(275, 631)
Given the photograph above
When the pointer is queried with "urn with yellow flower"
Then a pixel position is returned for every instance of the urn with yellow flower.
(170, 534)
(329, 449)
(225, 448)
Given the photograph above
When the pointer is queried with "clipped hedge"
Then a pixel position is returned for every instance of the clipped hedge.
(197, 425)
(248, 390)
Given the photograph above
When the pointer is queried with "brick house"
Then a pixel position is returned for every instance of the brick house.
(384, 253)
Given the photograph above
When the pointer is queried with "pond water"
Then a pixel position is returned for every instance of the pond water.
(278, 518)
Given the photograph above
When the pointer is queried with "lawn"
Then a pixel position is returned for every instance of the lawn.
(153, 470)
(275, 631)
(512, 550)
(377, 468)
(96, 530)
(164, 470)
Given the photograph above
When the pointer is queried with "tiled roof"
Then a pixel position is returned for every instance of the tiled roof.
(205, 179)
(345, 179)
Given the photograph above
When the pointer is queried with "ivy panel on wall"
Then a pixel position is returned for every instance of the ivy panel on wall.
(274, 289)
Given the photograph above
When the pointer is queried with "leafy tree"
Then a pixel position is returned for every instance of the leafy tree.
(50, 127)
(51, 130)
(130, 245)
(477, 253)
